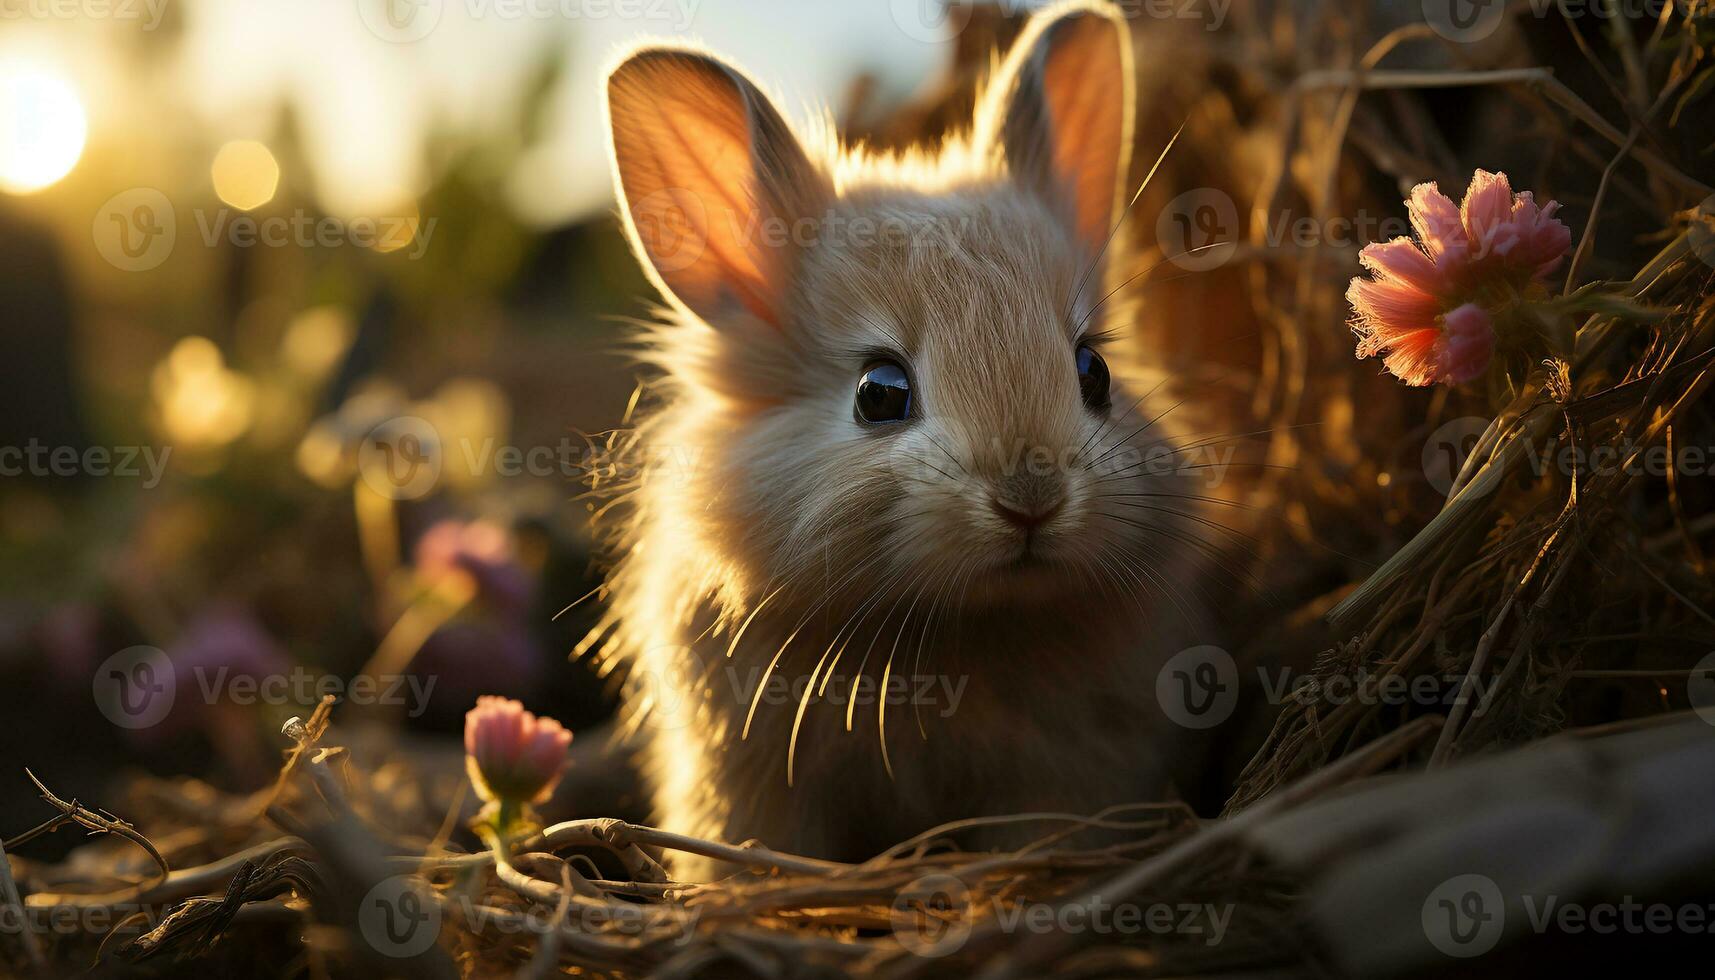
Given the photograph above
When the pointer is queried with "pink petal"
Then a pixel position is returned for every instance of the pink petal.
(1413, 357)
(1383, 311)
(1488, 205)
(1402, 261)
(516, 754)
(438, 548)
(1456, 266)
(547, 754)
(1435, 219)
(1547, 243)
(1468, 344)
(1525, 213)
(1506, 241)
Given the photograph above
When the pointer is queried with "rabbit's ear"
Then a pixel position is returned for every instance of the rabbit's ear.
(1061, 113)
(710, 179)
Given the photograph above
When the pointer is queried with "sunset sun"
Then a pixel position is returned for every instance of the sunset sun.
(42, 130)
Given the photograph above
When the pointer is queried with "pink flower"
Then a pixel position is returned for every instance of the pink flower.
(1468, 343)
(1431, 305)
(512, 755)
(482, 551)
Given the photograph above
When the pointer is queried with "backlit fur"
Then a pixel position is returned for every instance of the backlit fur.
(755, 507)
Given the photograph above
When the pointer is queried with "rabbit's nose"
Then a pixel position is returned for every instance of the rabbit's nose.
(1028, 500)
(1026, 516)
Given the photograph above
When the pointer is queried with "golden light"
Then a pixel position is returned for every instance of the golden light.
(467, 412)
(42, 129)
(322, 455)
(316, 340)
(398, 228)
(202, 403)
(245, 174)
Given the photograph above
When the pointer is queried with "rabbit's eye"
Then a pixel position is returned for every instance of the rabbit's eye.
(1093, 379)
(883, 394)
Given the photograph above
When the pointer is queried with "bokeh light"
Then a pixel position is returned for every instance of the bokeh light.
(397, 228)
(316, 339)
(245, 174)
(42, 129)
(202, 404)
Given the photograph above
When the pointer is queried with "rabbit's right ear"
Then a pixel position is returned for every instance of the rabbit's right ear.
(711, 180)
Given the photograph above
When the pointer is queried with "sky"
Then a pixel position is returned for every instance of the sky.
(370, 79)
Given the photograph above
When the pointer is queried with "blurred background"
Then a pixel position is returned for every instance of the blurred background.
(238, 235)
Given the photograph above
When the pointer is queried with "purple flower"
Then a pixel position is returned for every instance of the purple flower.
(219, 644)
(478, 655)
(481, 551)
(225, 636)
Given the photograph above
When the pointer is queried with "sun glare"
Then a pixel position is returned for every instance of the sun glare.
(42, 129)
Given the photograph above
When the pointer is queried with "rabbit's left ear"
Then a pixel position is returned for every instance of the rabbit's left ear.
(1061, 113)
(708, 174)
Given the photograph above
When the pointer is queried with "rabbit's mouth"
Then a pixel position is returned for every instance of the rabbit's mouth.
(1028, 564)
(1031, 574)
(1033, 554)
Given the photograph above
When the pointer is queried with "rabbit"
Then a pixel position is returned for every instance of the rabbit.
(903, 541)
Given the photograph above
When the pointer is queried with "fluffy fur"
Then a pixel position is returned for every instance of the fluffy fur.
(767, 533)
